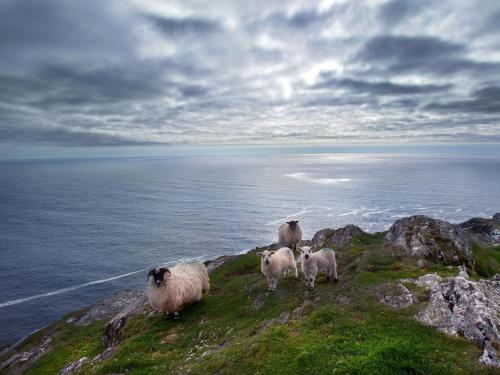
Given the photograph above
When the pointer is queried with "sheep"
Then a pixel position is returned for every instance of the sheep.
(320, 261)
(277, 263)
(171, 289)
(290, 234)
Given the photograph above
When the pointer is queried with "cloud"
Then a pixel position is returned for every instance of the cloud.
(63, 137)
(183, 26)
(397, 11)
(126, 72)
(485, 100)
(381, 88)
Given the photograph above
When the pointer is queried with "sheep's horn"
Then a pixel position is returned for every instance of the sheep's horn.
(151, 273)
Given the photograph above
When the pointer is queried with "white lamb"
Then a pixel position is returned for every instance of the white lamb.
(171, 289)
(277, 263)
(321, 261)
(290, 234)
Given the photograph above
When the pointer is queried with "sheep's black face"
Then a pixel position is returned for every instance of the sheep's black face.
(292, 224)
(158, 275)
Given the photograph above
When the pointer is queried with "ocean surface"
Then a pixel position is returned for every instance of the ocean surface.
(73, 231)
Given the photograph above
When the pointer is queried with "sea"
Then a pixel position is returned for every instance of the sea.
(75, 230)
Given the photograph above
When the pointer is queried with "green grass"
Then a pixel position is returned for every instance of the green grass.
(487, 260)
(234, 329)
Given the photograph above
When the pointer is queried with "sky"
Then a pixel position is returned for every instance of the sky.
(130, 73)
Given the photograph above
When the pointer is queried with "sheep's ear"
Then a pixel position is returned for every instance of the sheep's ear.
(296, 221)
(151, 273)
(259, 254)
(289, 222)
(271, 253)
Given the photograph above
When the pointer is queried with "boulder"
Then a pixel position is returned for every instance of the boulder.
(484, 230)
(462, 307)
(25, 359)
(111, 306)
(397, 299)
(433, 239)
(114, 328)
(212, 265)
(496, 217)
(336, 237)
(73, 367)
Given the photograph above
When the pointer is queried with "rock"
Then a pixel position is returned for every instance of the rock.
(462, 271)
(485, 230)
(420, 263)
(259, 301)
(489, 357)
(108, 353)
(496, 217)
(110, 307)
(428, 281)
(336, 237)
(424, 237)
(403, 297)
(219, 262)
(458, 306)
(28, 357)
(208, 353)
(114, 328)
(343, 300)
(73, 366)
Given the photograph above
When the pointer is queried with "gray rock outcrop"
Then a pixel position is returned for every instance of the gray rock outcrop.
(434, 239)
(462, 307)
(111, 306)
(212, 265)
(25, 359)
(398, 299)
(496, 217)
(484, 230)
(336, 237)
(114, 328)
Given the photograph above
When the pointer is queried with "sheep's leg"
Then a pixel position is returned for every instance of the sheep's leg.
(274, 283)
(285, 274)
(271, 284)
(335, 277)
(328, 274)
(296, 271)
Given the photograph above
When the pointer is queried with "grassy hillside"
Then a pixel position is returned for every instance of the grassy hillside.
(240, 328)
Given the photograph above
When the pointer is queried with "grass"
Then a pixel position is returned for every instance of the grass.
(335, 329)
(487, 260)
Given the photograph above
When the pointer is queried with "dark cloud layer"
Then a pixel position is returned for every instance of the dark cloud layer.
(111, 73)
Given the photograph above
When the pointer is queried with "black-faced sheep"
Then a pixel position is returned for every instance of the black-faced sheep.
(290, 234)
(277, 263)
(170, 289)
(321, 261)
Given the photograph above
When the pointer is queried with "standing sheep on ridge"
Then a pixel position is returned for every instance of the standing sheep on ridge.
(290, 234)
(277, 263)
(171, 289)
(320, 261)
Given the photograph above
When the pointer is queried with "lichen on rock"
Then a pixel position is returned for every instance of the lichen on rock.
(462, 307)
(424, 237)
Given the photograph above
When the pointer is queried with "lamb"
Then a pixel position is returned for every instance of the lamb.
(277, 263)
(290, 234)
(321, 261)
(171, 289)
